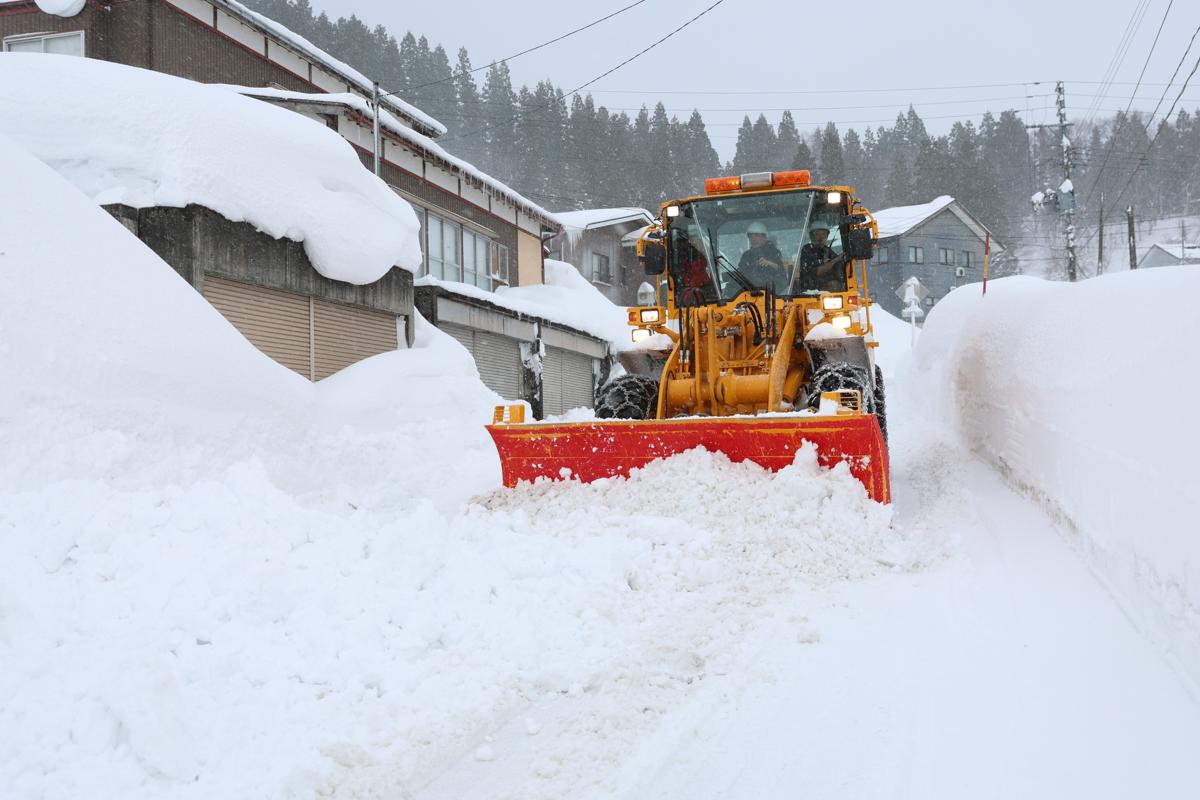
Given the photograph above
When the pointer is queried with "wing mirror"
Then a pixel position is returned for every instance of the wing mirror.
(653, 256)
(857, 242)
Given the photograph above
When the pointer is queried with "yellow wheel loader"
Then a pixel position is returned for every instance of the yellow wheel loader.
(765, 315)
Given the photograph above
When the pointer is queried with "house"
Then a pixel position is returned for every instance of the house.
(1168, 255)
(594, 242)
(939, 242)
(477, 233)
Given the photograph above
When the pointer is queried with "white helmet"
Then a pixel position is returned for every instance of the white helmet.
(757, 227)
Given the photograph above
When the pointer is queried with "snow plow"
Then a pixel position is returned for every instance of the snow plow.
(763, 315)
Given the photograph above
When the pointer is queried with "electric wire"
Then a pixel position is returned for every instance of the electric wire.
(526, 51)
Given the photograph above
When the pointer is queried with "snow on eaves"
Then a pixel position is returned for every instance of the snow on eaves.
(566, 298)
(61, 8)
(390, 125)
(901, 219)
(295, 40)
(141, 138)
(599, 217)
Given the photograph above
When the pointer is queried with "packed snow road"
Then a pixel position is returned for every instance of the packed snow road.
(1001, 667)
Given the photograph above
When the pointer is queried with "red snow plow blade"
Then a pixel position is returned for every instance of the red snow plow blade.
(603, 449)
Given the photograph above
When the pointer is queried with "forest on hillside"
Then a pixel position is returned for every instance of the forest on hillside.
(566, 152)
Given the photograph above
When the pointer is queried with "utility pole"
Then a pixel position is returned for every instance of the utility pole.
(1066, 191)
(375, 123)
(1132, 238)
(1100, 262)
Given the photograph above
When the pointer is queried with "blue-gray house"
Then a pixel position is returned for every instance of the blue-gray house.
(939, 242)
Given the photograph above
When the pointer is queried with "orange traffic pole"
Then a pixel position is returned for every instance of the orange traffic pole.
(987, 246)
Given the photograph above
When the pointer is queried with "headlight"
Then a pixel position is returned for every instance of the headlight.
(672, 211)
(832, 302)
(650, 316)
(842, 321)
(834, 198)
(641, 334)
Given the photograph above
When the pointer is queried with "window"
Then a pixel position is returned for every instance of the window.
(442, 250)
(476, 268)
(946, 256)
(881, 256)
(64, 44)
(916, 255)
(966, 261)
(499, 263)
(600, 270)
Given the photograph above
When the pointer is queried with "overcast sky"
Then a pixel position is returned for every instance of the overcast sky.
(751, 56)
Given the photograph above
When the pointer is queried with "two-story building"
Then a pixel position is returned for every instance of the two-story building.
(939, 242)
(475, 230)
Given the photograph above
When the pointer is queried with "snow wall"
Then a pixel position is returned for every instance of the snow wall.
(1080, 394)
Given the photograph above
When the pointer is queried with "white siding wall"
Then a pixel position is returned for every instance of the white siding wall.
(240, 33)
(287, 59)
(197, 8)
(440, 177)
(328, 82)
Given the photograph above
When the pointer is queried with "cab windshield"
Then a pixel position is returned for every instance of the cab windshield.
(787, 242)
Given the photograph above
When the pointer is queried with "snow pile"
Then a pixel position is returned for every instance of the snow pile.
(566, 297)
(901, 219)
(177, 142)
(61, 8)
(219, 580)
(1080, 394)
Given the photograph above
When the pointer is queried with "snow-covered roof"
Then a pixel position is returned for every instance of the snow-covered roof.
(176, 142)
(566, 298)
(630, 239)
(601, 217)
(390, 125)
(899, 220)
(422, 121)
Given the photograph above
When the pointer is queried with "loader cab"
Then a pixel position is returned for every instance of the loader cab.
(719, 247)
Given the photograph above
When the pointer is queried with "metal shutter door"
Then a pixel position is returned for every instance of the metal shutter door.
(498, 359)
(552, 395)
(274, 321)
(577, 381)
(346, 335)
(464, 335)
(567, 381)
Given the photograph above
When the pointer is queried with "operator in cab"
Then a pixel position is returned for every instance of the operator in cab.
(762, 263)
(821, 269)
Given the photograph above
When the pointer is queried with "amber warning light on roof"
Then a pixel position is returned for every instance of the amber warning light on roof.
(757, 180)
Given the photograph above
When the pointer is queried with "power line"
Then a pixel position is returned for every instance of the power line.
(1150, 146)
(1114, 65)
(1121, 120)
(526, 51)
(608, 72)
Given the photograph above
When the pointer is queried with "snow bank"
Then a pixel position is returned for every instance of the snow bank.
(1080, 394)
(176, 142)
(219, 580)
(566, 297)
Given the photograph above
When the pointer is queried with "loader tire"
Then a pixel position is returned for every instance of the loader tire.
(834, 376)
(628, 397)
(880, 402)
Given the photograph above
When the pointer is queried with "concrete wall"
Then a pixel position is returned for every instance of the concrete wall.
(942, 230)
(197, 241)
